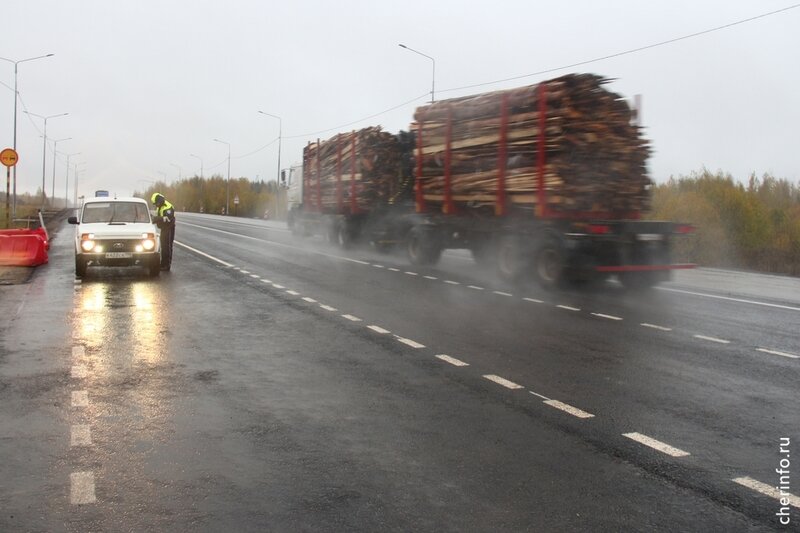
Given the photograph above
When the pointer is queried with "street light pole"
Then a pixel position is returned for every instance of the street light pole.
(228, 186)
(44, 148)
(280, 135)
(201, 164)
(433, 78)
(66, 180)
(16, 94)
(55, 146)
(76, 181)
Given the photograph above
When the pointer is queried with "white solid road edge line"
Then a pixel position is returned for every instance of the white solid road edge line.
(574, 411)
(653, 326)
(656, 444)
(767, 490)
(502, 381)
(711, 339)
(378, 329)
(195, 250)
(452, 360)
(775, 352)
(80, 435)
(81, 490)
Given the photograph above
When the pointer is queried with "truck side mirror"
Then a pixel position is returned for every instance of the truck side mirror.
(72, 220)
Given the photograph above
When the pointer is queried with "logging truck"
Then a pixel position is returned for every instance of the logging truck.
(546, 182)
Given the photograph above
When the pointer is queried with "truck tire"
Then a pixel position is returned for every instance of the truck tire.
(80, 267)
(548, 263)
(513, 260)
(423, 247)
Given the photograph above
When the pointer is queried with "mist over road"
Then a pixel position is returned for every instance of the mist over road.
(269, 383)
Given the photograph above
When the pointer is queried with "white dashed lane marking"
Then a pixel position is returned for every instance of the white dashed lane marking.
(409, 342)
(767, 490)
(327, 307)
(656, 444)
(540, 396)
(653, 326)
(78, 351)
(80, 398)
(568, 308)
(475, 287)
(266, 281)
(574, 411)
(378, 329)
(278, 286)
(451, 282)
(452, 360)
(412, 273)
(501, 293)
(309, 300)
(354, 261)
(293, 293)
(430, 277)
(378, 266)
(782, 354)
(79, 371)
(610, 317)
(711, 339)
(80, 435)
(534, 300)
(351, 318)
(502, 381)
(393, 269)
(81, 489)
(254, 276)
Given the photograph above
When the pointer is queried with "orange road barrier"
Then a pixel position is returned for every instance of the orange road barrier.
(23, 247)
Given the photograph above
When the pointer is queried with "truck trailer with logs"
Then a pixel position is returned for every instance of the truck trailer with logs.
(547, 181)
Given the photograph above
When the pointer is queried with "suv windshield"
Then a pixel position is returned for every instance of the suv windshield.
(121, 212)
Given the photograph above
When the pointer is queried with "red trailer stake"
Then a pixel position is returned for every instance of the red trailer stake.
(502, 157)
(419, 196)
(319, 181)
(449, 208)
(541, 195)
(339, 174)
(353, 202)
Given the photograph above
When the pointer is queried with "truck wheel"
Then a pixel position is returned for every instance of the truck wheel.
(549, 264)
(80, 267)
(423, 247)
(513, 261)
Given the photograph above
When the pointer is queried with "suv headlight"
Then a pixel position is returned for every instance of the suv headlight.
(87, 242)
(148, 241)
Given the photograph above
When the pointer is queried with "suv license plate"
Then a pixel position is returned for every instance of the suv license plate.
(119, 255)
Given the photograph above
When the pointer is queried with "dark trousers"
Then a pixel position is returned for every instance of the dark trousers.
(167, 236)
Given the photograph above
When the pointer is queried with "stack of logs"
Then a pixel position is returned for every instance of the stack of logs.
(594, 158)
(352, 172)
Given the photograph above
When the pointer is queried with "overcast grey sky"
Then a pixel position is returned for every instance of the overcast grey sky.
(147, 83)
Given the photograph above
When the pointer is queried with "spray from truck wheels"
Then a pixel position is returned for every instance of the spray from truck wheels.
(544, 182)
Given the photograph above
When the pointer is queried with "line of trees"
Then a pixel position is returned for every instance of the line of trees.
(754, 226)
(208, 195)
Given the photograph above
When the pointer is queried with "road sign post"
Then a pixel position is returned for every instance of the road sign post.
(235, 204)
(9, 158)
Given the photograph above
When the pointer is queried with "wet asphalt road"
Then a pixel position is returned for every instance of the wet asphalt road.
(267, 384)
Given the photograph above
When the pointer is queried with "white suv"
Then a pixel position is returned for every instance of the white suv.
(116, 232)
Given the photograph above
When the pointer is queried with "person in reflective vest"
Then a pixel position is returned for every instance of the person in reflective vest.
(165, 220)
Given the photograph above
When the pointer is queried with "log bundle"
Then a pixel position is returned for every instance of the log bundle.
(574, 136)
(352, 172)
